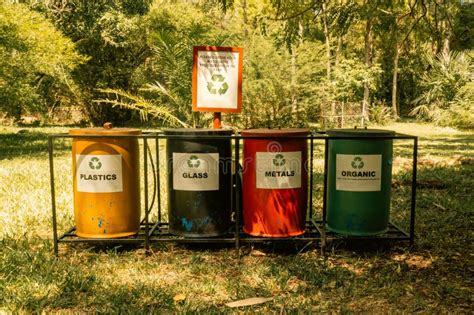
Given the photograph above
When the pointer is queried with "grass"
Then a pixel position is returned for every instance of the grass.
(435, 277)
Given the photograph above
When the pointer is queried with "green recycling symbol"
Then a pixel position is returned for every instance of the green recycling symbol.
(279, 160)
(217, 84)
(95, 163)
(193, 161)
(357, 162)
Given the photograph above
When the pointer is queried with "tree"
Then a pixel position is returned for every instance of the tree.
(36, 62)
(163, 80)
(113, 36)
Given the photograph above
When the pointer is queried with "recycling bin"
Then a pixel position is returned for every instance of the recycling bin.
(275, 182)
(106, 183)
(359, 181)
(199, 182)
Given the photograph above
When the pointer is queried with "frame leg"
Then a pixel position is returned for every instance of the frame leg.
(53, 197)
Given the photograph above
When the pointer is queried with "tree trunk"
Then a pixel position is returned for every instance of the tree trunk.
(328, 41)
(294, 73)
(395, 107)
(294, 103)
(338, 50)
(244, 15)
(368, 63)
(328, 50)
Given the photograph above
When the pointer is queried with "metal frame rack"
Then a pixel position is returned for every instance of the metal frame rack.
(155, 232)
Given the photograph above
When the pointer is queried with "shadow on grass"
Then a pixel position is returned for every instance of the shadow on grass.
(28, 143)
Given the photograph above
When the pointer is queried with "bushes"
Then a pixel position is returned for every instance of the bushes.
(36, 62)
(447, 91)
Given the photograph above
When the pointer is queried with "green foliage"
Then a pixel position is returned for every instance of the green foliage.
(461, 110)
(35, 62)
(349, 79)
(447, 90)
(112, 35)
(173, 31)
(145, 107)
(463, 33)
(163, 80)
(271, 97)
(380, 114)
(305, 62)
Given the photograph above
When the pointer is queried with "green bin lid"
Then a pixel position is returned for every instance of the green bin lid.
(360, 132)
(198, 132)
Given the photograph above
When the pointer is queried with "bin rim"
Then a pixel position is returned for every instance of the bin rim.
(283, 132)
(197, 131)
(359, 132)
(104, 131)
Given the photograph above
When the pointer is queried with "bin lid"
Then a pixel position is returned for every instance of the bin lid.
(360, 132)
(284, 132)
(198, 131)
(107, 130)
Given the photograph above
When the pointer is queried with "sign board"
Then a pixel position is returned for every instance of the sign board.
(217, 79)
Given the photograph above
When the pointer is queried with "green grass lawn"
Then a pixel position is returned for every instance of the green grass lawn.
(435, 277)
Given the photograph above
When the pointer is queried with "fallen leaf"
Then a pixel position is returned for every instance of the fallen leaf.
(248, 302)
(257, 253)
(179, 297)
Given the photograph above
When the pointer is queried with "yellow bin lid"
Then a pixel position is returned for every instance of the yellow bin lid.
(107, 130)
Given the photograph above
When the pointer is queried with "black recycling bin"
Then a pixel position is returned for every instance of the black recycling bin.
(199, 182)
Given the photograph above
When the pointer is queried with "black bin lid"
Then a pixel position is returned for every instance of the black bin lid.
(348, 132)
(198, 132)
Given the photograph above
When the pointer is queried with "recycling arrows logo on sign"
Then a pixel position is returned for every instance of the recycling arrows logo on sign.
(193, 161)
(279, 160)
(95, 163)
(217, 84)
(357, 163)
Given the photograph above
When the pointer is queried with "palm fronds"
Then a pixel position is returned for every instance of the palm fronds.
(143, 106)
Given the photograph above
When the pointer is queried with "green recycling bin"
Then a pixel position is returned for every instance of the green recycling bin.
(359, 181)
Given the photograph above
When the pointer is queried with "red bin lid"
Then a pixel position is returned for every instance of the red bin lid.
(284, 132)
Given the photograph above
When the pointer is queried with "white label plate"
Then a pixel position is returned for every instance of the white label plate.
(99, 173)
(360, 172)
(278, 170)
(196, 171)
(217, 79)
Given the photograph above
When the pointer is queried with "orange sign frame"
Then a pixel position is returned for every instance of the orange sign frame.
(239, 50)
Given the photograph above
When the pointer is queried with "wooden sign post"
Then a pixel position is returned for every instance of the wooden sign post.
(217, 80)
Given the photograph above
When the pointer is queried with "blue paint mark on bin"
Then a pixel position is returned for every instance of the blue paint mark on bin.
(188, 225)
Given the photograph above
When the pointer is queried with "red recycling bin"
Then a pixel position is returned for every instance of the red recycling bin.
(275, 182)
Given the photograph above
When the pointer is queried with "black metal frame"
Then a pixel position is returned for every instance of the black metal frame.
(158, 231)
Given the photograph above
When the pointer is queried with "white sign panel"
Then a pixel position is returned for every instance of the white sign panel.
(358, 172)
(99, 173)
(196, 171)
(217, 79)
(278, 170)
